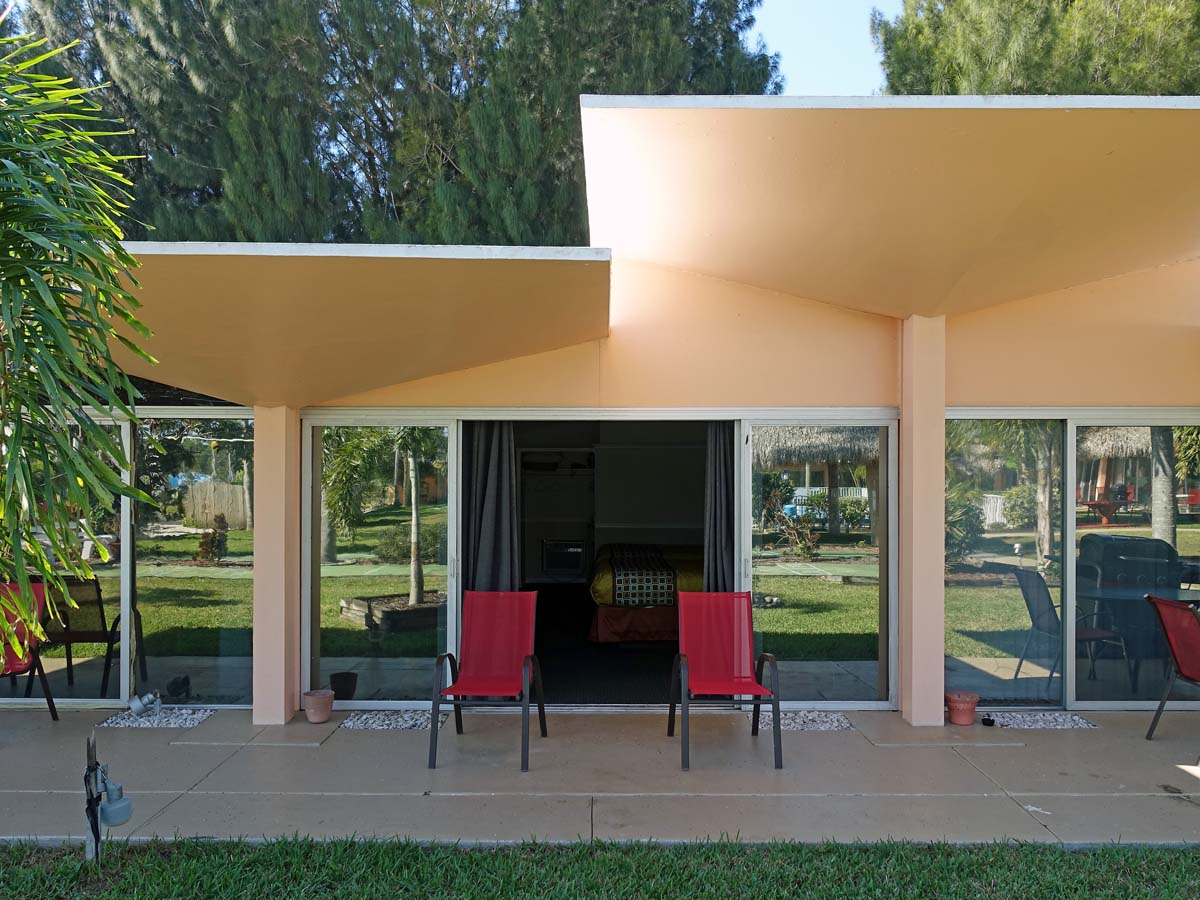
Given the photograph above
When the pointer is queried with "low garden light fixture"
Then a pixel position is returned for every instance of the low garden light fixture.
(106, 804)
(144, 705)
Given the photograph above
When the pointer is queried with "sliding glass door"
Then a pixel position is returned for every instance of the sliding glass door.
(1136, 515)
(380, 527)
(820, 526)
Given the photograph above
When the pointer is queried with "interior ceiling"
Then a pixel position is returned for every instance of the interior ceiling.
(298, 324)
(893, 207)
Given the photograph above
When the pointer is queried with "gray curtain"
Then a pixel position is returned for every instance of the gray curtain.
(720, 513)
(491, 538)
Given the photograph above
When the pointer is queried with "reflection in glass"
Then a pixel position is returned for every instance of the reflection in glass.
(82, 650)
(819, 530)
(380, 545)
(1137, 504)
(1004, 514)
(192, 599)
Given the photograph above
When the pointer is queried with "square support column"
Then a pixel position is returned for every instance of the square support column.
(922, 519)
(276, 564)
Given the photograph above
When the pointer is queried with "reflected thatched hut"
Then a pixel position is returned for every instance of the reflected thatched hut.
(792, 447)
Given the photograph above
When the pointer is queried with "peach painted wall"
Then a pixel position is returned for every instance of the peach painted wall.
(922, 519)
(677, 339)
(276, 564)
(1132, 340)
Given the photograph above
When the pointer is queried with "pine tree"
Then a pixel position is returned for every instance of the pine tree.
(379, 120)
(1041, 47)
(226, 102)
(519, 178)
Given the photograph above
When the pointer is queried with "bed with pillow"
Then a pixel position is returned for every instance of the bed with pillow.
(635, 588)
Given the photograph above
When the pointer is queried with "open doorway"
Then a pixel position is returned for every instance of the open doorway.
(609, 526)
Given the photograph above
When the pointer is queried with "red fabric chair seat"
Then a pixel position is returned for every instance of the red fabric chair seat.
(722, 686)
(484, 686)
(1094, 634)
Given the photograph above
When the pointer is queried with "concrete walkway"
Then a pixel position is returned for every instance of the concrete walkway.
(616, 776)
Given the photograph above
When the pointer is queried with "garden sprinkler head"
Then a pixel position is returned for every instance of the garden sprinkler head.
(145, 704)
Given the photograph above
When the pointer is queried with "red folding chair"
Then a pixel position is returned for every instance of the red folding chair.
(498, 665)
(1181, 627)
(31, 662)
(716, 647)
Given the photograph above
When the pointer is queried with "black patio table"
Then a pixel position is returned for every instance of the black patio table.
(1126, 612)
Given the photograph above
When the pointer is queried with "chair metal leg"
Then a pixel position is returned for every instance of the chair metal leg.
(526, 671)
(1162, 704)
(776, 728)
(435, 710)
(685, 754)
(41, 673)
(758, 701)
(1090, 647)
(1024, 651)
(672, 693)
(435, 714)
(540, 690)
(458, 726)
(29, 683)
(1053, 668)
(70, 665)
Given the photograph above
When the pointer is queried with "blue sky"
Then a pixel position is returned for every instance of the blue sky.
(825, 44)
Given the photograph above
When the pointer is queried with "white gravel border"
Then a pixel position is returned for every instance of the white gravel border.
(806, 720)
(172, 717)
(390, 720)
(1053, 720)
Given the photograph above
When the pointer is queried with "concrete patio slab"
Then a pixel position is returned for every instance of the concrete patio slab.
(59, 814)
(461, 818)
(228, 727)
(889, 730)
(298, 733)
(616, 775)
(837, 818)
(1166, 819)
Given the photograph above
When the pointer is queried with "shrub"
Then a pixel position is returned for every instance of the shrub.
(964, 523)
(797, 535)
(394, 546)
(1020, 504)
(854, 511)
(214, 544)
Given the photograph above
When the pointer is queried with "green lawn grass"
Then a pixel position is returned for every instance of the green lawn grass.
(350, 869)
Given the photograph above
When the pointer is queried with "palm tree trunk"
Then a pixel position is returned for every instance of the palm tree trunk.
(833, 500)
(328, 534)
(247, 495)
(397, 471)
(873, 499)
(416, 574)
(1162, 483)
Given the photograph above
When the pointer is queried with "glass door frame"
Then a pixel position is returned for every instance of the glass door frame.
(887, 419)
(378, 418)
(1073, 418)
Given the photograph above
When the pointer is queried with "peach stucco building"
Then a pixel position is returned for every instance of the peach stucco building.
(878, 265)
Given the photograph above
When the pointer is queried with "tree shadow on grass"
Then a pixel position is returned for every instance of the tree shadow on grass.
(186, 598)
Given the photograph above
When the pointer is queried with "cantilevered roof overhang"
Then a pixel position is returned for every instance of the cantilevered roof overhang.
(299, 324)
(896, 205)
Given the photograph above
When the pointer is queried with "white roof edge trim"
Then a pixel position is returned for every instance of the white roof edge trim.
(367, 251)
(881, 101)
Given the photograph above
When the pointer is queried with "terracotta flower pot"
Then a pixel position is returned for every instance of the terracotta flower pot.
(961, 705)
(318, 705)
